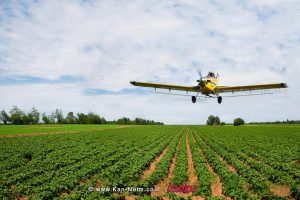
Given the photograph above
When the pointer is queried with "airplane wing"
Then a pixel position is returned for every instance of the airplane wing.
(167, 86)
(222, 89)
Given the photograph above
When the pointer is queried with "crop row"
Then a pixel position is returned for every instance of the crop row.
(48, 175)
(204, 176)
(67, 177)
(258, 183)
(162, 167)
(125, 165)
(272, 145)
(180, 171)
(124, 171)
(232, 182)
(258, 174)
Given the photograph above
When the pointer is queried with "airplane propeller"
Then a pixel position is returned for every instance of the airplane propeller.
(200, 75)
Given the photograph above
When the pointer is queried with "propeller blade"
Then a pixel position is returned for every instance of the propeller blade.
(200, 74)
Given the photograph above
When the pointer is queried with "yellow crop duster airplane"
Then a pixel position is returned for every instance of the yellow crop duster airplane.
(209, 87)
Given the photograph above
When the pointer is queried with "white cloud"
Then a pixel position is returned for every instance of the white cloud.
(109, 43)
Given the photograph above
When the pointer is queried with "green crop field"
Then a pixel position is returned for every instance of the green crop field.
(149, 162)
(52, 128)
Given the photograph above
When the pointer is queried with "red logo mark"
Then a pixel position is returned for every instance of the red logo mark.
(182, 188)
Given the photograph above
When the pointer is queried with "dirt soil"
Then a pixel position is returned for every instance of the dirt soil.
(230, 167)
(191, 170)
(23, 198)
(82, 182)
(216, 186)
(99, 184)
(64, 193)
(198, 198)
(129, 198)
(164, 183)
(152, 167)
(280, 190)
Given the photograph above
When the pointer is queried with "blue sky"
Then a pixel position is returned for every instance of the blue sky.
(80, 56)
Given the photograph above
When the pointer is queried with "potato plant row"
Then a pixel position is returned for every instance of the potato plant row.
(258, 182)
(276, 176)
(232, 182)
(277, 146)
(89, 167)
(267, 169)
(204, 176)
(180, 171)
(162, 168)
(124, 171)
(65, 166)
(56, 164)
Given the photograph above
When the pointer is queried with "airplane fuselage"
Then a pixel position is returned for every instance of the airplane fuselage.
(208, 85)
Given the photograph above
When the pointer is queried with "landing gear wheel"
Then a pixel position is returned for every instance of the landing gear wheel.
(219, 99)
(194, 99)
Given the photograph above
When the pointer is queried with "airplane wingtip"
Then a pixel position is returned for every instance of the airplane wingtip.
(284, 85)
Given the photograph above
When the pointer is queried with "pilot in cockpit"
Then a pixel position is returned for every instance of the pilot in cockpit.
(211, 74)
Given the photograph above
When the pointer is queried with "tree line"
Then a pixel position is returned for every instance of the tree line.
(215, 120)
(18, 117)
(279, 122)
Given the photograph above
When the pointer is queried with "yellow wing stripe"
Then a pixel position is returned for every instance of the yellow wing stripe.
(167, 86)
(221, 89)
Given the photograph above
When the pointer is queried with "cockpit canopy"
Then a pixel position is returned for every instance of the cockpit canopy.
(211, 74)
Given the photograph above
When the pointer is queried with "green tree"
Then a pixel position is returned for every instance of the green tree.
(93, 118)
(210, 120)
(238, 121)
(82, 118)
(71, 119)
(103, 120)
(58, 116)
(213, 120)
(47, 119)
(124, 121)
(17, 116)
(217, 121)
(139, 121)
(5, 117)
(33, 117)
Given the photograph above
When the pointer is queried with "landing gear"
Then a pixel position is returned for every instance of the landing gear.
(194, 99)
(219, 99)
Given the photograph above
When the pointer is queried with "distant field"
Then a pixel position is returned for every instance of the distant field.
(51, 128)
(218, 162)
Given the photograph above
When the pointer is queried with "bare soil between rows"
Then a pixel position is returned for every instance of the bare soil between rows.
(152, 167)
(164, 183)
(191, 170)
